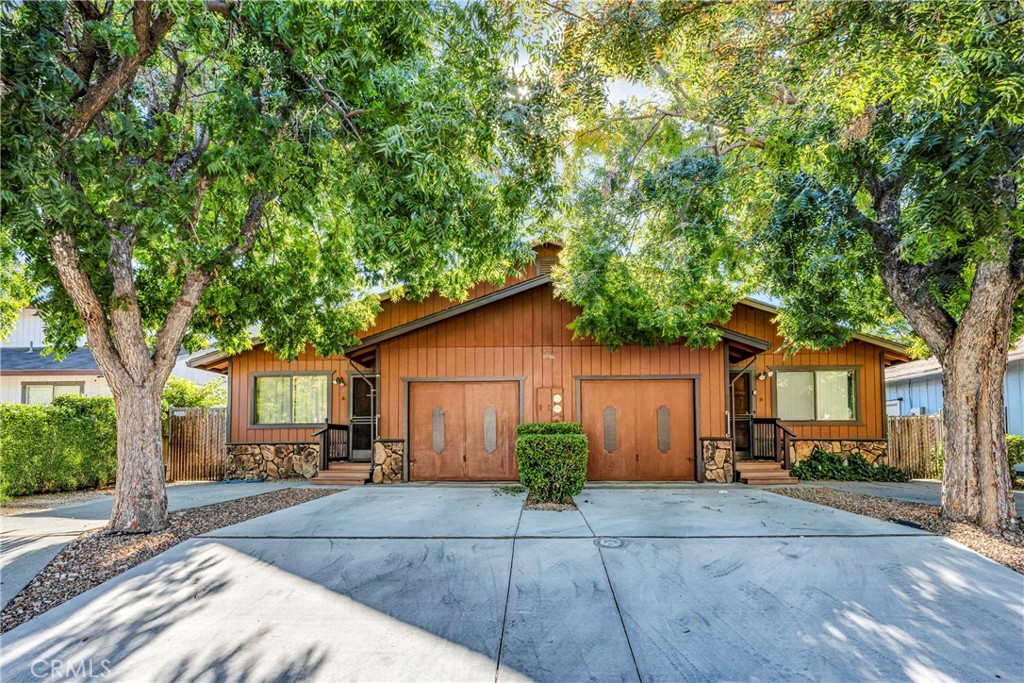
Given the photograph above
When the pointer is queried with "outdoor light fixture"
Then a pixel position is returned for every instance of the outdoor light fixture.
(766, 374)
(339, 380)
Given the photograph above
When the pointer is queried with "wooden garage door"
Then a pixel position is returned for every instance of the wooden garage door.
(463, 431)
(639, 429)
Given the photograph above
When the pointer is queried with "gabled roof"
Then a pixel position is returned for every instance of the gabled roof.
(22, 359)
(930, 366)
(875, 340)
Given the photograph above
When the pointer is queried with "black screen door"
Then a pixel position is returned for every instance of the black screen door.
(362, 417)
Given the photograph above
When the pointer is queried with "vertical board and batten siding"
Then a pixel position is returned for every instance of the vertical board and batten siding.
(258, 360)
(865, 357)
(527, 336)
(395, 313)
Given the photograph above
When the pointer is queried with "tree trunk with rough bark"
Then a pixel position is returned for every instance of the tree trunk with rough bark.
(140, 498)
(972, 352)
(976, 484)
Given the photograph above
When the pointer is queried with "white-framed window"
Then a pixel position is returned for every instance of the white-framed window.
(290, 399)
(894, 407)
(818, 395)
(41, 393)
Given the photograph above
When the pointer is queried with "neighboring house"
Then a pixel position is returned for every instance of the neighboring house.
(29, 376)
(436, 388)
(916, 389)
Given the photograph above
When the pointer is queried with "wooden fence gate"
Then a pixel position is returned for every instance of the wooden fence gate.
(915, 445)
(196, 444)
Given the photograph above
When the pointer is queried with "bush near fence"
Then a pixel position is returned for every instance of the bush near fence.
(67, 445)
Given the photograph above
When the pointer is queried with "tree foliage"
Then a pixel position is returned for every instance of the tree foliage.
(815, 115)
(381, 145)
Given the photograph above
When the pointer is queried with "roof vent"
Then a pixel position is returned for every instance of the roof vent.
(546, 264)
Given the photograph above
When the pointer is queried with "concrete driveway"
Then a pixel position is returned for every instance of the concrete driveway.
(29, 540)
(438, 584)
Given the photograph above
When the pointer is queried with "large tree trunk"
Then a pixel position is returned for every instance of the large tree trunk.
(976, 484)
(140, 499)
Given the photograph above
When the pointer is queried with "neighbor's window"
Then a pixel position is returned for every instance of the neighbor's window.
(816, 395)
(291, 399)
(40, 394)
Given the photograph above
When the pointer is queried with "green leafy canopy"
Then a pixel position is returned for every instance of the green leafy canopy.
(395, 149)
(762, 148)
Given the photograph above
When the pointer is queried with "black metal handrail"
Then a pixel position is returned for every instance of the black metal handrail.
(333, 444)
(770, 440)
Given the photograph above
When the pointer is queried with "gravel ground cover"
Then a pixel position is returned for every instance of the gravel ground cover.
(47, 501)
(534, 504)
(96, 557)
(1006, 548)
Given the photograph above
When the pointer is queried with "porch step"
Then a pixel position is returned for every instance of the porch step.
(343, 474)
(764, 473)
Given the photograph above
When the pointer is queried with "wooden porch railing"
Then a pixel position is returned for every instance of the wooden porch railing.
(770, 440)
(333, 444)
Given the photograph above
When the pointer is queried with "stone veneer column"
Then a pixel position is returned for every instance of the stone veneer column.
(717, 457)
(387, 461)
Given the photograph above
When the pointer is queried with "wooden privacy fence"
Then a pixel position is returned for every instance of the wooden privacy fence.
(196, 444)
(915, 445)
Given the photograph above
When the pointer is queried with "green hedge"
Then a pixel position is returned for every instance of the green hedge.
(553, 467)
(822, 465)
(549, 428)
(67, 445)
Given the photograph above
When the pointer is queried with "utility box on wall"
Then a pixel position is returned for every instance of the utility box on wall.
(550, 404)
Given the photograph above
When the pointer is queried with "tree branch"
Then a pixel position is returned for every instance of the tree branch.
(904, 281)
(172, 332)
(95, 99)
(185, 162)
(125, 316)
(66, 258)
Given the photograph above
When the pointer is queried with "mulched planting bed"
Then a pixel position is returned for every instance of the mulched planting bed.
(1006, 548)
(533, 504)
(94, 557)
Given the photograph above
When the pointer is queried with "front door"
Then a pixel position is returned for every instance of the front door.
(742, 407)
(362, 418)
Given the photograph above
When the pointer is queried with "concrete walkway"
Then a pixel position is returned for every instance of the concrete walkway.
(28, 541)
(918, 491)
(460, 584)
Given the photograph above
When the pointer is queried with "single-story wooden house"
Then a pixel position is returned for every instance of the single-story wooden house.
(435, 390)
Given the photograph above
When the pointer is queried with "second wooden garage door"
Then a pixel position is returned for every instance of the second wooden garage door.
(463, 431)
(639, 429)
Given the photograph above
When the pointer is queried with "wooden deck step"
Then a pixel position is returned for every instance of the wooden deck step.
(764, 473)
(343, 474)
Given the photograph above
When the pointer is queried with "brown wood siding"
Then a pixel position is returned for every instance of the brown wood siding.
(259, 360)
(527, 336)
(865, 357)
(395, 313)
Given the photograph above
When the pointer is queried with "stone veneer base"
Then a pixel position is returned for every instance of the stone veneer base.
(272, 461)
(873, 450)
